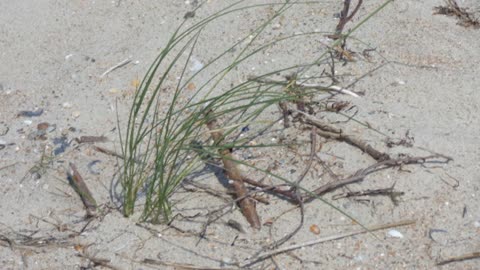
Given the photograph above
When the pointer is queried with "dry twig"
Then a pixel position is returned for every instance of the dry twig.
(464, 18)
(328, 131)
(344, 17)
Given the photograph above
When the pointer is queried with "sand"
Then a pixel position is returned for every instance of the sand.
(421, 83)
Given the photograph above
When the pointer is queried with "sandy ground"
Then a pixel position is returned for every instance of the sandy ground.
(423, 79)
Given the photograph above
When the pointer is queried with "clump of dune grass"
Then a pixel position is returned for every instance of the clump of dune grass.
(163, 144)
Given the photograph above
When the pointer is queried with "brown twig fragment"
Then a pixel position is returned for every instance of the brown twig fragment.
(107, 151)
(464, 257)
(91, 139)
(329, 131)
(285, 113)
(81, 188)
(247, 204)
(344, 17)
(313, 149)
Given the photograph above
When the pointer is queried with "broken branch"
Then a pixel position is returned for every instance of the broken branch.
(247, 204)
(82, 190)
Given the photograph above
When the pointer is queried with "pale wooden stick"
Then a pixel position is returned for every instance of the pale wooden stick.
(325, 239)
(119, 65)
(463, 257)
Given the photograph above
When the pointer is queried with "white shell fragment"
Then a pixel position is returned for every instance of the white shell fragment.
(196, 64)
(394, 234)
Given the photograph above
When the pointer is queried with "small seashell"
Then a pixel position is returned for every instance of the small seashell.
(314, 229)
(476, 224)
(196, 65)
(191, 86)
(268, 222)
(75, 114)
(394, 234)
(276, 26)
(66, 105)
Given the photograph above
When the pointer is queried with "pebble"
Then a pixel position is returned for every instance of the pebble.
(43, 126)
(3, 129)
(3, 144)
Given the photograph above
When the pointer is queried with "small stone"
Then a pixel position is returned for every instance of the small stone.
(67, 105)
(43, 126)
(3, 129)
(35, 113)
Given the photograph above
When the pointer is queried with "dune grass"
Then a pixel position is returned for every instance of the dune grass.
(163, 144)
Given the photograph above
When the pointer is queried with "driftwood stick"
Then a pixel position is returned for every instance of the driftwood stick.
(247, 204)
(82, 190)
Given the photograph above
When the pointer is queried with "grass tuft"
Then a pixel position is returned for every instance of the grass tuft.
(163, 144)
